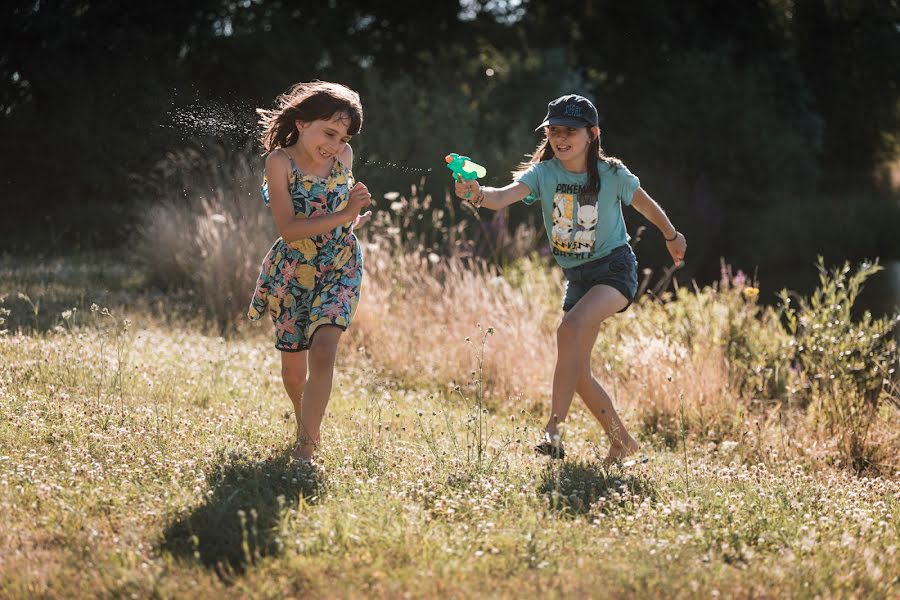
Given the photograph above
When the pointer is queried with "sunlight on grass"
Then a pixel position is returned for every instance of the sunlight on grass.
(139, 457)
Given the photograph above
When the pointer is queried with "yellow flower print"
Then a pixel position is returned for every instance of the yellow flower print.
(339, 180)
(341, 321)
(306, 276)
(343, 256)
(253, 313)
(308, 185)
(317, 302)
(274, 306)
(306, 246)
(288, 300)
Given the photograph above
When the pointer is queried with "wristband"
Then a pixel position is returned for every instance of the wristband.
(479, 200)
(674, 237)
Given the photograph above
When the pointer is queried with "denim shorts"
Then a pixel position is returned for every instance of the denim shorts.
(618, 270)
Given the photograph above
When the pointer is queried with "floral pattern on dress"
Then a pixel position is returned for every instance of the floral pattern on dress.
(314, 281)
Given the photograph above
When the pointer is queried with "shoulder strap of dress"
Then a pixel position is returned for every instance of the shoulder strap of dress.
(344, 168)
(288, 154)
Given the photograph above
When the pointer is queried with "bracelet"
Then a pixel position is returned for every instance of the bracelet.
(674, 237)
(478, 201)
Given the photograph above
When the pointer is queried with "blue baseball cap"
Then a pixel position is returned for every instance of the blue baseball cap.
(571, 110)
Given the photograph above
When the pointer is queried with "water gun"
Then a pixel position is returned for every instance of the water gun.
(463, 168)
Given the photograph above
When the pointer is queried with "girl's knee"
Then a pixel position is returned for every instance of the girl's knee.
(567, 332)
(293, 376)
(322, 353)
(585, 382)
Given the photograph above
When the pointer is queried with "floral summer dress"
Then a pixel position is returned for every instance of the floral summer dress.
(314, 281)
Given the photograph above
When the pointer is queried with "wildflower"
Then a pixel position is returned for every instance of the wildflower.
(728, 445)
(750, 293)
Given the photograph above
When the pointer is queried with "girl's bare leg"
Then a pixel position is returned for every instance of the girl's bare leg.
(600, 404)
(322, 353)
(575, 340)
(293, 376)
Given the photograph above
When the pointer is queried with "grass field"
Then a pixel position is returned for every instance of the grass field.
(142, 455)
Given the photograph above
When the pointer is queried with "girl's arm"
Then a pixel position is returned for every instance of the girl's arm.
(289, 225)
(493, 198)
(675, 241)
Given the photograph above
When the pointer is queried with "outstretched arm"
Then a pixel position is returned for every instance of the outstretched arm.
(647, 206)
(488, 197)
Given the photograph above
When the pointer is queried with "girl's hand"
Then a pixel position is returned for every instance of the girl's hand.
(361, 220)
(468, 186)
(677, 248)
(359, 199)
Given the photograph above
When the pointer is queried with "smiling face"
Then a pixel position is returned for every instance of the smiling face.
(570, 144)
(322, 140)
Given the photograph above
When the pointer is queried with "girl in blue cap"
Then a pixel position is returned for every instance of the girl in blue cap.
(581, 191)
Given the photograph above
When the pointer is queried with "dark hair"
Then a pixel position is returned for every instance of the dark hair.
(308, 102)
(544, 151)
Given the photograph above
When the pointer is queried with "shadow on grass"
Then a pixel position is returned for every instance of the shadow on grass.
(571, 487)
(240, 522)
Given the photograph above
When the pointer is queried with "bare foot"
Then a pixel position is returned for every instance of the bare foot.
(619, 450)
(303, 452)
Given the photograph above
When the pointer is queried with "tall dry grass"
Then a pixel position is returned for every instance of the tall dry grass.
(205, 229)
(706, 362)
(421, 319)
(434, 283)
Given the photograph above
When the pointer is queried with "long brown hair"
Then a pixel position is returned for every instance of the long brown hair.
(307, 102)
(544, 151)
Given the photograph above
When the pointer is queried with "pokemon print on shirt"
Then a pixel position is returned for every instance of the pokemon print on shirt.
(574, 231)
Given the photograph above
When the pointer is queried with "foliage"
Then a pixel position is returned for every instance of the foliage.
(705, 358)
(846, 365)
(208, 234)
(751, 97)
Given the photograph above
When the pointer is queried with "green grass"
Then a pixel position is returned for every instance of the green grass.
(151, 460)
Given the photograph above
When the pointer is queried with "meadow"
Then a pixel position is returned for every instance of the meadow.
(145, 436)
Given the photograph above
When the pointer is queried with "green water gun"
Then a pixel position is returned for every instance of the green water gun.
(463, 168)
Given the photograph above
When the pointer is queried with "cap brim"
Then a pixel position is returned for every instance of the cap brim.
(564, 121)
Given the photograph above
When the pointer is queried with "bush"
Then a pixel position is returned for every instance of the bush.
(846, 367)
(712, 360)
(206, 230)
(698, 359)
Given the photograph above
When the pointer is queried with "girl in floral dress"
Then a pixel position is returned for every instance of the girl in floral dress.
(309, 283)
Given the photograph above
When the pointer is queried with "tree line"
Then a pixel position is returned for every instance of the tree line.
(767, 120)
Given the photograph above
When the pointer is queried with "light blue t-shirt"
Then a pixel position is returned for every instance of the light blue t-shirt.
(579, 234)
